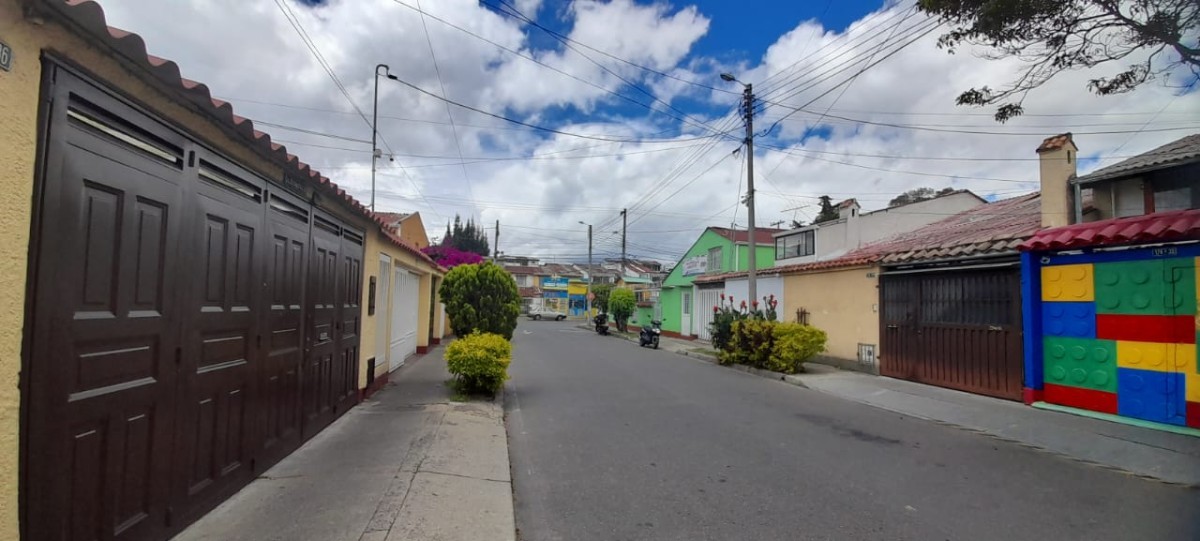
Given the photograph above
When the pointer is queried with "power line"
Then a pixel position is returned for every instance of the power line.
(614, 57)
(543, 128)
(553, 68)
(567, 42)
(449, 114)
(902, 171)
(311, 45)
(909, 33)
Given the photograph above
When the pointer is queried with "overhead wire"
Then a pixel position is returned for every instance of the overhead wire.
(530, 58)
(449, 114)
(311, 45)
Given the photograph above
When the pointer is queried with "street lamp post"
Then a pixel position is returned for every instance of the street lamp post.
(375, 127)
(588, 298)
(748, 114)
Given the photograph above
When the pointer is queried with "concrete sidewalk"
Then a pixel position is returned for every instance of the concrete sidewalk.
(1145, 452)
(407, 463)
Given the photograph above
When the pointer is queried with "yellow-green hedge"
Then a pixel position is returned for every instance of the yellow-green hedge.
(479, 362)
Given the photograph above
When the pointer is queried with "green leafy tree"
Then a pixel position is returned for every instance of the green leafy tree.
(481, 298)
(621, 302)
(467, 237)
(827, 212)
(1063, 35)
(918, 194)
(601, 291)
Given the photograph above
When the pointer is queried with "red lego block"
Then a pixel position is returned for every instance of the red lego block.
(1030, 396)
(1193, 414)
(1169, 329)
(1077, 397)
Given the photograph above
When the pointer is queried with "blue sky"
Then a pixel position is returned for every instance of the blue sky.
(889, 129)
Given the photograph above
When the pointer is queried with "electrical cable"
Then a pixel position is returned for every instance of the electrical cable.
(449, 114)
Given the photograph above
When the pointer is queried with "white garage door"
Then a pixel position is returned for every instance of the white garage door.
(404, 317)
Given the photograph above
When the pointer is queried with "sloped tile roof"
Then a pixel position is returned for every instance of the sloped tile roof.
(527, 292)
(1158, 227)
(1179, 152)
(86, 17)
(1056, 142)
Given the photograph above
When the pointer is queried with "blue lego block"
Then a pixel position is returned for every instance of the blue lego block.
(1151, 395)
(1069, 319)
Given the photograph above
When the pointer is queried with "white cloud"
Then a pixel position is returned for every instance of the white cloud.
(257, 55)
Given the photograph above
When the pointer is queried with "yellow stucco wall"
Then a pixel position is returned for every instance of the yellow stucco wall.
(412, 229)
(20, 89)
(844, 303)
(376, 244)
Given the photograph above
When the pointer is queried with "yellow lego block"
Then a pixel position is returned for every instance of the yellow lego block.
(1186, 362)
(1157, 356)
(1068, 283)
(1145, 355)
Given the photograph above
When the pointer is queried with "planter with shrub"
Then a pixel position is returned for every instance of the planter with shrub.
(479, 363)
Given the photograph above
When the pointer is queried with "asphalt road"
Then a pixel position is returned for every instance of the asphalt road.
(609, 441)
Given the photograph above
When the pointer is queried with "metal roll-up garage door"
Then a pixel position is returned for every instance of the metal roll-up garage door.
(173, 295)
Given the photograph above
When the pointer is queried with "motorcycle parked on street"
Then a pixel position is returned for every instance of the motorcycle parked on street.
(650, 333)
(601, 321)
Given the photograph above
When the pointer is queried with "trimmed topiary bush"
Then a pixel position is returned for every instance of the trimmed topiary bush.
(620, 303)
(479, 363)
(481, 298)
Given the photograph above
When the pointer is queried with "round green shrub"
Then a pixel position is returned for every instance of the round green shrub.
(479, 362)
(620, 303)
(481, 298)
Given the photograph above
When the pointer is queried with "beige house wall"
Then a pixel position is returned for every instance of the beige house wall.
(842, 302)
(376, 245)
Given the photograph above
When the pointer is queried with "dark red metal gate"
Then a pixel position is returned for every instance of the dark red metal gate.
(959, 329)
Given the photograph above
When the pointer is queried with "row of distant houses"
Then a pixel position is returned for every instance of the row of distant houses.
(563, 288)
(1082, 294)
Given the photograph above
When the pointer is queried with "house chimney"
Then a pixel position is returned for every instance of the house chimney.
(848, 208)
(1057, 159)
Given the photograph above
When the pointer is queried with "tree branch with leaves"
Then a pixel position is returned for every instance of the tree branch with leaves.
(1053, 36)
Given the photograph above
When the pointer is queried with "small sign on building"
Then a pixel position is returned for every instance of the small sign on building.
(6, 57)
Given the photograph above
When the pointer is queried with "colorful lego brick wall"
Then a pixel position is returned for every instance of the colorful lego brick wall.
(1119, 336)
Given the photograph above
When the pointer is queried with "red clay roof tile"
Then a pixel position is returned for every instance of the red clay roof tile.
(1159, 227)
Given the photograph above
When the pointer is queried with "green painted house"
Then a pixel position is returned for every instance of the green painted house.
(718, 250)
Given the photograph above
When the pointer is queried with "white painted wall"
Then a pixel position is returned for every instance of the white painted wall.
(767, 285)
(836, 238)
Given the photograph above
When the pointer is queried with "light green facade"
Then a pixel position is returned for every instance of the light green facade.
(676, 283)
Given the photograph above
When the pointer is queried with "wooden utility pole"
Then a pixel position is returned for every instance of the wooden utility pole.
(496, 244)
(624, 223)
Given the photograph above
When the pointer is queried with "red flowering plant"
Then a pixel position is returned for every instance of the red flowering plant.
(450, 257)
(729, 311)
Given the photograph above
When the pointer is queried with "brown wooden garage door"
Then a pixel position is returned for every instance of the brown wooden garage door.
(959, 329)
(191, 324)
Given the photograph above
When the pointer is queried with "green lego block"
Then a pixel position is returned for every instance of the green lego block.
(1081, 362)
(1160, 287)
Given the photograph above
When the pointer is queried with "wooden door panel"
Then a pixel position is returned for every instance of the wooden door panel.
(221, 353)
(104, 372)
(280, 377)
(322, 299)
